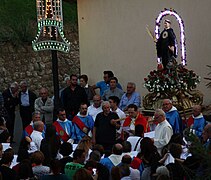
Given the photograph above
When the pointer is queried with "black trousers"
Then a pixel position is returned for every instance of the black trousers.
(10, 124)
(26, 115)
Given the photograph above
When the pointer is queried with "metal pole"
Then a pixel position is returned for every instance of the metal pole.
(55, 78)
(55, 74)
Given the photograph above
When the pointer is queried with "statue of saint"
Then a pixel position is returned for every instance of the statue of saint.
(166, 45)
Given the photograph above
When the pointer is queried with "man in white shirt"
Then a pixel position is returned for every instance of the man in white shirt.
(36, 135)
(136, 139)
(114, 102)
(95, 108)
(163, 130)
(134, 173)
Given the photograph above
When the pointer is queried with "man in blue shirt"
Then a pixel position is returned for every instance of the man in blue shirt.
(64, 127)
(104, 85)
(130, 97)
(197, 122)
(84, 122)
(172, 116)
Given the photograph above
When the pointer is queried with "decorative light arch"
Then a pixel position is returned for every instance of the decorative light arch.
(50, 24)
(172, 12)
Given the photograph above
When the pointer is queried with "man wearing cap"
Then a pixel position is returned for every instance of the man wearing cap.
(166, 44)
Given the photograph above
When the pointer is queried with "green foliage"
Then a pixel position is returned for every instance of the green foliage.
(202, 152)
(18, 22)
(70, 15)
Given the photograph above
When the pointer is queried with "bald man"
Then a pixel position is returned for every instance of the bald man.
(196, 121)
(163, 130)
(96, 107)
(36, 135)
(114, 159)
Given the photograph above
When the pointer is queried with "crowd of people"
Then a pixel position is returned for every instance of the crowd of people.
(93, 136)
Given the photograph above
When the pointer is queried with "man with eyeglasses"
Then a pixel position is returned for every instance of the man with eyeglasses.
(163, 130)
(64, 127)
(135, 117)
(45, 106)
(172, 116)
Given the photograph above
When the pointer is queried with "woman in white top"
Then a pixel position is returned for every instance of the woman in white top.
(135, 140)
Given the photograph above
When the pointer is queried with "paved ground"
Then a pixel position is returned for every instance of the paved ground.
(17, 133)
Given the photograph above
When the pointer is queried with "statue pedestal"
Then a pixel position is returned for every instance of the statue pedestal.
(176, 83)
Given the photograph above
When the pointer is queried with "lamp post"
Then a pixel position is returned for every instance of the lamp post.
(55, 76)
(50, 36)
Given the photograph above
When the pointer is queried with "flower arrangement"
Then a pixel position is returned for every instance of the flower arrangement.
(208, 78)
(171, 80)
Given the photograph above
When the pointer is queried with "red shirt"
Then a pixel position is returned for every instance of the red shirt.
(140, 119)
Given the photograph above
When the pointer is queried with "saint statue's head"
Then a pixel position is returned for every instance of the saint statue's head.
(167, 23)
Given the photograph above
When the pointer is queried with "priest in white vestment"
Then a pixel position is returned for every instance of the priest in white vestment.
(163, 130)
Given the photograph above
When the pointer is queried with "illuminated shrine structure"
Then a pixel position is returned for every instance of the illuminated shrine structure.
(50, 35)
(177, 82)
